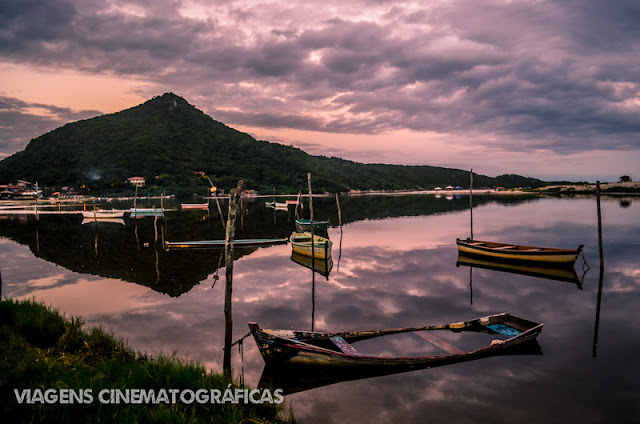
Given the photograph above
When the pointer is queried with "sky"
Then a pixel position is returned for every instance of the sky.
(548, 89)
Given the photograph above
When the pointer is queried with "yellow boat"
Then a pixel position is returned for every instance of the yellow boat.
(301, 244)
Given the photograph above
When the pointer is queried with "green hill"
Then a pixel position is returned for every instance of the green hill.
(166, 140)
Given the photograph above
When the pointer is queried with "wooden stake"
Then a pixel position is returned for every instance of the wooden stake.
(234, 197)
(601, 276)
(471, 200)
(313, 255)
(219, 211)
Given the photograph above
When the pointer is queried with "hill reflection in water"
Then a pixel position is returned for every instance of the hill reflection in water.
(397, 269)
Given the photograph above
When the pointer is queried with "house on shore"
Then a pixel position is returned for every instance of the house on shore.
(137, 181)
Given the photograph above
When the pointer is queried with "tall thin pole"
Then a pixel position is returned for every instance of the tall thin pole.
(471, 199)
(313, 256)
(135, 203)
(340, 223)
(601, 277)
(234, 197)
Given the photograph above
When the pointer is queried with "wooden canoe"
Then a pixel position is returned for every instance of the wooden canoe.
(103, 214)
(318, 349)
(558, 273)
(303, 225)
(301, 244)
(518, 253)
(219, 244)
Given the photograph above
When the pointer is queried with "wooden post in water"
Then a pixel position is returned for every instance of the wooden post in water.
(135, 203)
(471, 199)
(155, 225)
(313, 255)
(299, 205)
(601, 278)
(340, 223)
(219, 210)
(471, 215)
(234, 197)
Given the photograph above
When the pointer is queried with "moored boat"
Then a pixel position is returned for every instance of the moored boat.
(518, 253)
(303, 225)
(335, 350)
(103, 214)
(301, 244)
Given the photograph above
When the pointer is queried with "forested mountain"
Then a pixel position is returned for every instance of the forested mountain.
(167, 140)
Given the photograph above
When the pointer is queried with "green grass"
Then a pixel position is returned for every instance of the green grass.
(40, 349)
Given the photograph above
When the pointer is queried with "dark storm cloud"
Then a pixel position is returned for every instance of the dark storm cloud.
(21, 120)
(555, 75)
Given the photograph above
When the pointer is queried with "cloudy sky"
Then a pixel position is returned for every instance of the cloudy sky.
(549, 89)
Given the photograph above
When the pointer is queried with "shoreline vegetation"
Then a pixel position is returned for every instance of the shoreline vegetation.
(627, 188)
(607, 188)
(43, 351)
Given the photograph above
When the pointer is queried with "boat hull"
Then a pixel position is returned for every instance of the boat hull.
(102, 214)
(307, 349)
(518, 253)
(301, 244)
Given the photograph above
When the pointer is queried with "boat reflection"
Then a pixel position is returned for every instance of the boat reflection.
(320, 266)
(563, 273)
(295, 378)
(118, 221)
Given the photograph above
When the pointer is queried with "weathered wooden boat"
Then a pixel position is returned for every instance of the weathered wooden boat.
(321, 266)
(303, 225)
(103, 214)
(558, 273)
(195, 206)
(142, 212)
(329, 350)
(219, 244)
(518, 253)
(301, 244)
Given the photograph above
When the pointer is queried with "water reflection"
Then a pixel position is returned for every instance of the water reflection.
(294, 379)
(396, 270)
(567, 273)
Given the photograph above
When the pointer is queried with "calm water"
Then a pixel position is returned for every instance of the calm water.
(394, 266)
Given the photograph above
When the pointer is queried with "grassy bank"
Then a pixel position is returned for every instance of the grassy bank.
(40, 349)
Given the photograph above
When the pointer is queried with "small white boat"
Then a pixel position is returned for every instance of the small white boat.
(102, 214)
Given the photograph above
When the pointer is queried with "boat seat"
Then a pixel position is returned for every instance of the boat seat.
(503, 247)
(444, 345)
(505, 330)
(343, 345)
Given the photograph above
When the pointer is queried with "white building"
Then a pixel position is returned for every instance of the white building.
(137, 181)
